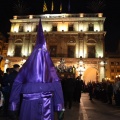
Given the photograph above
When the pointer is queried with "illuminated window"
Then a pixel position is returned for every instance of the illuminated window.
(112, 70)
(91, 51)
(18, 49)
(112, 77)
(118, 70)
(70, 28)
(71, 51)
(20, 28)
(36, 28)
(91, 27)
(112, 63)
(53, 50)
(54, 28)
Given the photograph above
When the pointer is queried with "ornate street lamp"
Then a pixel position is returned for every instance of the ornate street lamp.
(80, 67)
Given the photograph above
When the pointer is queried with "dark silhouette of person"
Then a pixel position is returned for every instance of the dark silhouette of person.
(109, 92)
(90, 90)
(78, 89)
(14, 74)
(6, 91)
(68, 91)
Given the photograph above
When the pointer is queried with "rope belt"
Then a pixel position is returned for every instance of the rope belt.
(35, 96)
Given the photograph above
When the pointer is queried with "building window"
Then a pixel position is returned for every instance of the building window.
(112, 63)
(118, 70)
(70, 28)
(117, 63)
(18, 51)
(53, 50)
(112, 70)
(71, 51)
(91, 51)
(20, 28)
(91, 27)
(112, 77)
(36, 28)
(54, 28)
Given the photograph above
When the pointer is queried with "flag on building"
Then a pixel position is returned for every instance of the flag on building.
(60, 7)
(69, 6)
(52, 6)
(44, 7)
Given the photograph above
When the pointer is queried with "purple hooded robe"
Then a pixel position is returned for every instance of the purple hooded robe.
(39, 85)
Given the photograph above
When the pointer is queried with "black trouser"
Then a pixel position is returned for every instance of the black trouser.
(6, 96)
(91, 95)
(110, 98)
(117, 98)
(78, 96)
(68, 99)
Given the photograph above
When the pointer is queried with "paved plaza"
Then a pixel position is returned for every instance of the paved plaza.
(89, 110)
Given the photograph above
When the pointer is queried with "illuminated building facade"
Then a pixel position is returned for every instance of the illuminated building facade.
(75, 42)
(3, 50)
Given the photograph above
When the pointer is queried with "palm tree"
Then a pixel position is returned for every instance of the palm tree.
(96, 5)
(20, 8)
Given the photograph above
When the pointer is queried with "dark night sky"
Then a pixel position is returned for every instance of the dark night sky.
(111, 11)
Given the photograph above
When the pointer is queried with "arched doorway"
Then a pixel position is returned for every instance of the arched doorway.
(90, 75)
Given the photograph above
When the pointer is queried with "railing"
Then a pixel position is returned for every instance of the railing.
(59, 15)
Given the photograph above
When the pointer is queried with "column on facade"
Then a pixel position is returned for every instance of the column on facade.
(30, 46)
(11, 46)
(102, 72)
(25, 46)
(77, 48)
(101, 26)
(100, 46)
(81, 47)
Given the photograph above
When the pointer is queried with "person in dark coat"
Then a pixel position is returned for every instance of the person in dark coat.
(38, 84)
(78, 89)
(6, 91)
(13, 74)
(1, 78)
(68, 91)
(109, 92)
(90, 90)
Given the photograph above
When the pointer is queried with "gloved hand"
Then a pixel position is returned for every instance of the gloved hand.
(60, 115)
(13, 115)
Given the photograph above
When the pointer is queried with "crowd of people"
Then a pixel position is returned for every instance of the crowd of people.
(6, 82)
(106, 91)
(72, 88)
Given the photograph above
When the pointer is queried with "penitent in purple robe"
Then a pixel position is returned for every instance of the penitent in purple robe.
(38, 84)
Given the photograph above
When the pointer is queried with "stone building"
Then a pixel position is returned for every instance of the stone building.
(3, 50)
(75, 43)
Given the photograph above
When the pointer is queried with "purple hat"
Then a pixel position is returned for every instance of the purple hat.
(39, 66)
(40, 37)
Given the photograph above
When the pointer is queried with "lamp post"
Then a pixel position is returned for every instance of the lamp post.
(80, 67)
